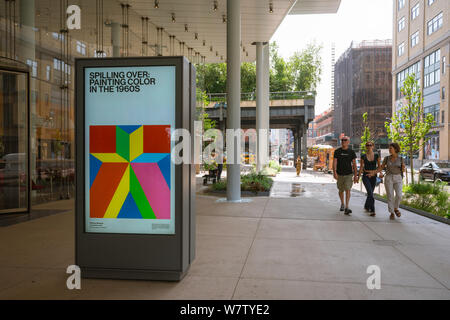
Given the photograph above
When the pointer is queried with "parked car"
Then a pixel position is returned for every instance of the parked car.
(435, 171)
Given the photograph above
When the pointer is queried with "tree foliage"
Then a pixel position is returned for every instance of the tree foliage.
(306, 68)
(300, 72)
(409, 126)
(366, 137)
(212, 77)
(280, 74)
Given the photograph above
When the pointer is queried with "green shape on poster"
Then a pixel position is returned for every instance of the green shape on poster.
(140, 198)
(123, 144)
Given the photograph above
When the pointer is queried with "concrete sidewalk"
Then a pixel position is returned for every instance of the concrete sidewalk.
(277, 247)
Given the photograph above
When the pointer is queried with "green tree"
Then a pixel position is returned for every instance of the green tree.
(280, 76)
(300, 72)
(212, 77)
(248, 77)
(366, 137)
(306, 68)
(409, 126)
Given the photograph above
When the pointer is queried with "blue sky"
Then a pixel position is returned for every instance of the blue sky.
(356, 20)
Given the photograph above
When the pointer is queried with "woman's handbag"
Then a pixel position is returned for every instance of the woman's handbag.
(379, 180)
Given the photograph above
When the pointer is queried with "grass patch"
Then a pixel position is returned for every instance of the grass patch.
(428, 197)
(253, 182)
(432, 198)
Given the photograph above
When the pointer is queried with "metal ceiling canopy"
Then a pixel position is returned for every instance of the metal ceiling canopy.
(199, 24)
(315, 7)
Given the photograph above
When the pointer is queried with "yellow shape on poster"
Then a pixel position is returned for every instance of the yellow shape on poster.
(136, 143)
(109, 157)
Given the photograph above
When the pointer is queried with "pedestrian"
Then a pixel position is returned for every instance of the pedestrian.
(370, 163)
(345, 172)
(393, 181)
(220, 168)
(298, 166)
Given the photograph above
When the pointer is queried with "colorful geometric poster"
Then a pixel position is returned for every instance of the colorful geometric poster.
(129, 119)
(130, 172)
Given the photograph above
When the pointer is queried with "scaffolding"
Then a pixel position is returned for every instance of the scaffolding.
(363, 83)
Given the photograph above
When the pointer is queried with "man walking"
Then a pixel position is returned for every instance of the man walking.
(345, 172)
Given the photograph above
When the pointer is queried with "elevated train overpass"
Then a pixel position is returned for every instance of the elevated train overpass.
(288, 110)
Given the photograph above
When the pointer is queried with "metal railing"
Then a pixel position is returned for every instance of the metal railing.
(251, 96)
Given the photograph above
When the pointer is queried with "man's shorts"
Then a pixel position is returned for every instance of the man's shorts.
(345, 183)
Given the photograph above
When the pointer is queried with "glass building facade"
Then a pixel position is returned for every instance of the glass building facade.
(37, 54)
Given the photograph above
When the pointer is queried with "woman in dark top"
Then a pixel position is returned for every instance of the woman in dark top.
(370, 162)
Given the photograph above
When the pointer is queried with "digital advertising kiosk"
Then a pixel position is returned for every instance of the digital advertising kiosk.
(135, 208)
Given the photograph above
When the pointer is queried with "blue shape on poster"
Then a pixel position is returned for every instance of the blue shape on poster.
(129, 129)
(129, 209)
(164, 166)
(94, 167)
(150, 157)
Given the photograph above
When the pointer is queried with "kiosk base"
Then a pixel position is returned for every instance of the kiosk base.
(100, 273)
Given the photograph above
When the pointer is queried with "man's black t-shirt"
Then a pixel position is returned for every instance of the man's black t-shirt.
(344, 161)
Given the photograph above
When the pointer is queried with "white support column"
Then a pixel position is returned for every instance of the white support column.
(266, 98)
(262, 104)
(234, 96)
(115, 38)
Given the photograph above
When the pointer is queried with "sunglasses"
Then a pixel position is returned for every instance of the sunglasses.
(369, 145)
(344, 140)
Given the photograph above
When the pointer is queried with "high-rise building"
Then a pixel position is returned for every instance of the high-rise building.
(363, 83)
(421, 46)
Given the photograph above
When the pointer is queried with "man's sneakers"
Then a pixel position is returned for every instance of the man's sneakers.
(347, 211)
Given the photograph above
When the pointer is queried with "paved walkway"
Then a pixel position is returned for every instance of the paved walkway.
(277, 247)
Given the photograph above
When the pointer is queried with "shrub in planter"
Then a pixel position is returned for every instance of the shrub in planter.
(275, 165)
(254, 182)
(429, 197)
(219, 186)
(269, 172)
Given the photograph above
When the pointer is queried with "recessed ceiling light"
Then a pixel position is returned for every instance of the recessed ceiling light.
(186, 29)
(271, 7)
(224, 18)
(215, 6)
(173, 17)
(156, 4)
(196, 36)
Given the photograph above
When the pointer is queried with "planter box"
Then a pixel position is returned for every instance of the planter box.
(243, 193)
(417, 211)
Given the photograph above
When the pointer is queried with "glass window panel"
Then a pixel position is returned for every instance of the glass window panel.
(13, 142)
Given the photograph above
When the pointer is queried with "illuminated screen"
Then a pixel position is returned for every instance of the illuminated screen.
(129, 182)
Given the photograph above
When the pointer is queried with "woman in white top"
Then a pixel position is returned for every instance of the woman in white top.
(393, 182)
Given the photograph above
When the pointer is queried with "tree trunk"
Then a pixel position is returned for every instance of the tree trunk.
(412, 166)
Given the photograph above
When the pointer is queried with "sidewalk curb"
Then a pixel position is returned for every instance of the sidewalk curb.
(411, 209)
(243, 193)
(414, 210)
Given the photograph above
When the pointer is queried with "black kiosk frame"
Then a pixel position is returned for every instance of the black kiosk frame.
(138, 256)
